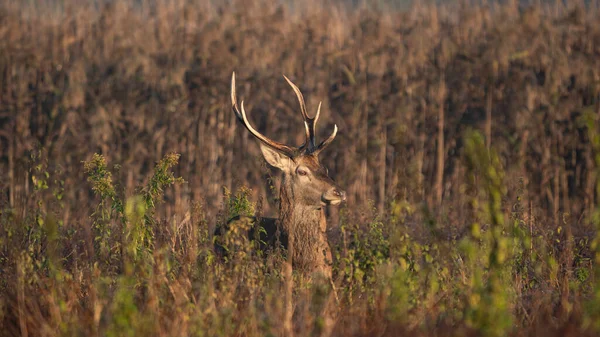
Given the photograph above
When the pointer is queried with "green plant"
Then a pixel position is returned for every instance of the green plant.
(488, 251)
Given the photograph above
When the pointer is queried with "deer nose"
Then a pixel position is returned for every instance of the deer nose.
(340, 194)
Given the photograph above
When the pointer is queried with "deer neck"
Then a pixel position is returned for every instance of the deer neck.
(297, 219)
(305, 228)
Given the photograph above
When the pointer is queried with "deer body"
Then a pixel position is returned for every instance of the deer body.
(306, 189)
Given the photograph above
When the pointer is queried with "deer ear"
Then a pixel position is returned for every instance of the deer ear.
(275, 158)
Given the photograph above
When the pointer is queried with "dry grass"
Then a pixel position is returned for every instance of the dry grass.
(446, 231)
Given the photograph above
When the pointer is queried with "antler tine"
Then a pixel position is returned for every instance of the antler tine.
(318, 113)
(300, 97)
(309, 123)
(327, 141)
(242, 117)
(234, 105)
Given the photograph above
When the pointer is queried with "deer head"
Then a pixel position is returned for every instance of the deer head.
(307, 179)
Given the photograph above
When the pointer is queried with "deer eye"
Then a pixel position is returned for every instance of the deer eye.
(302, 172)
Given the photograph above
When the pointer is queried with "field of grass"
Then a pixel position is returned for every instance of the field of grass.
(468, 145)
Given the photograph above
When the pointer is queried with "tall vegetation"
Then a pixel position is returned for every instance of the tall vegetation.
(468, 147)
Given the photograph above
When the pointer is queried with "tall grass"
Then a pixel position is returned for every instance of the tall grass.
(468, 147)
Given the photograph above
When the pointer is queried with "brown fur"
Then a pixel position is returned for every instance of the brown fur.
(306, 228)
(301, 220)
(305, 189)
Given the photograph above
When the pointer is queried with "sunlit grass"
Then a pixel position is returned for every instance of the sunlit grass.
(119, 155)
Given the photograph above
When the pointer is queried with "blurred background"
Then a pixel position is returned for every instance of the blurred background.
(135, 80)
(468, 147)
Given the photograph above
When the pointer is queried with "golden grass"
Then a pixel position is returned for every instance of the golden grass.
(419, 239)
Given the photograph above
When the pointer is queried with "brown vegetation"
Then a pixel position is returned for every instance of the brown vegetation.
(441, 219)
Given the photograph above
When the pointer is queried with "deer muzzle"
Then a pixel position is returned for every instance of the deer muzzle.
(334, 196)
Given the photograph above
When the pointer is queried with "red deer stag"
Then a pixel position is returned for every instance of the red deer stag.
(306, 189)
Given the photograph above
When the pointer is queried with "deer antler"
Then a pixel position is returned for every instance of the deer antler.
(309, 124)
(242, 118)
(327, 141)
